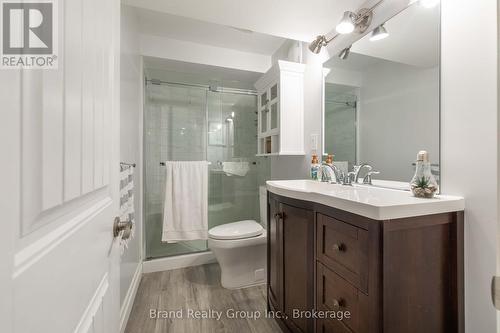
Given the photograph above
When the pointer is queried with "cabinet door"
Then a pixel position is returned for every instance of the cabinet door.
(298, 282)
(275, 256)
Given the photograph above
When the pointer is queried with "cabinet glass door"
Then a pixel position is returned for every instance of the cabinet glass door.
(274, 92)
(263, 99)
(263, 120)
(274, 116)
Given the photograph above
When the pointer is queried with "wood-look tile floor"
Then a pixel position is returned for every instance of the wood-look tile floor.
(192, 289)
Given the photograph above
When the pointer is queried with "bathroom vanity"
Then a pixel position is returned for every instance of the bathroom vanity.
(393, 261)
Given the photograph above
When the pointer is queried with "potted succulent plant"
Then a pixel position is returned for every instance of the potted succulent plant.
(423, 183)
(423, 188)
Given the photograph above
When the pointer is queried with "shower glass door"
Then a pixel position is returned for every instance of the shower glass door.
(233, 172)
(174, 130)
(183, 123)
(340, 124)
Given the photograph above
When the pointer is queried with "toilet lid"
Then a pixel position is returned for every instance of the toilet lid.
(236, 230)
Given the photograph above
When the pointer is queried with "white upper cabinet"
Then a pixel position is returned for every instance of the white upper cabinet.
(281, 110)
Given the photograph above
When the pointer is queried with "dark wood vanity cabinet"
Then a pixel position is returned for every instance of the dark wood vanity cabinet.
(392, 276)
(291, 254)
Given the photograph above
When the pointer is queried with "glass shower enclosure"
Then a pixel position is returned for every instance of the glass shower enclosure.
(192, 123)
(340, 123)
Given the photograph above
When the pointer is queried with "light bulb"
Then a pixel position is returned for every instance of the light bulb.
(346, 25)
(379, 33)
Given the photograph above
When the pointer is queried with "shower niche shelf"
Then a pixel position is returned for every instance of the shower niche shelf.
(281, 110)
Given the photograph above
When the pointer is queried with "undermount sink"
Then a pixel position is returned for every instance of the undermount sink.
(378, 203)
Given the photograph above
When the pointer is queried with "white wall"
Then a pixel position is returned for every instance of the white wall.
(131, 87)
(398, 116)
(469, 143)
(167, 48)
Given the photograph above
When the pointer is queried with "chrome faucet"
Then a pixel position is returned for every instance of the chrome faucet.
(338, 174)
(367, 180)
(349, 178)
(354, 175)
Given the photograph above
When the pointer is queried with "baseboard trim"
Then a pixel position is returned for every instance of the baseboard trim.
(174, 262)
(128, 302)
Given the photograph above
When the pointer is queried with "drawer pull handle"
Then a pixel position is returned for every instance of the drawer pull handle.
(337, 304)
(278, 216)
(339, 247)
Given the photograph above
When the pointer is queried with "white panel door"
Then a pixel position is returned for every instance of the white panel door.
(59, 261)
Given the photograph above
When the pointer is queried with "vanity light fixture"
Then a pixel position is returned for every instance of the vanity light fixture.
(318, 43)
(350, 22)
(345, 53)
(379, 33)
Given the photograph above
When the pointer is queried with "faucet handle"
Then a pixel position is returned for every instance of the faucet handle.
(368, 178)
(349, 178)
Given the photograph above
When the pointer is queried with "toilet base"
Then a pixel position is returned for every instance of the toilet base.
(241, 266)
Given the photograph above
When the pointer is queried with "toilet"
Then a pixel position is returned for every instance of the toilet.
(240, 248)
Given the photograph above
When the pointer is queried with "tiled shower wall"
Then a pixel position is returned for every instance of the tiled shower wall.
(188, 124)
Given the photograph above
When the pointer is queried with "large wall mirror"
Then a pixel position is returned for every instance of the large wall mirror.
(382, 99)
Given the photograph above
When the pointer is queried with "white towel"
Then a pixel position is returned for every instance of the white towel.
(235, 168)
(185, 215)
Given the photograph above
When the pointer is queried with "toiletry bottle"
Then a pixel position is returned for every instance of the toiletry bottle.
(329, 160)
(315, 166)
(423, 183)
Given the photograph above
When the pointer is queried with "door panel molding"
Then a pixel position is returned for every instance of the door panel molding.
(66, 116)
(34, 252)
(90, 319)
(61, 186)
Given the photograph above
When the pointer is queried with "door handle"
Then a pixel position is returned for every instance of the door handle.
(339, 247)
(119, 226)
(279, 215)
(495, 292)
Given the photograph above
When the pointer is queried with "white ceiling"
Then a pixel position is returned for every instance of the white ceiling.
(187, 29)
(185, 72)
(293, 19)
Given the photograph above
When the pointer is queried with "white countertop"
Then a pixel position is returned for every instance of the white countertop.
(369, 201)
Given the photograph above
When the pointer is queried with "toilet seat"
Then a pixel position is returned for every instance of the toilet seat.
(236, 230)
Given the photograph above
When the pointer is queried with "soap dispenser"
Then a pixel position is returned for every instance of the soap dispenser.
(329, 160)
(423, 183)
(315, 166)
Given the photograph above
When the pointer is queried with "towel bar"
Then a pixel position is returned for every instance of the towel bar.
(163, 163)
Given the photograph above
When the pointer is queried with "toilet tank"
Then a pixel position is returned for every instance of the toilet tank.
(263, 205)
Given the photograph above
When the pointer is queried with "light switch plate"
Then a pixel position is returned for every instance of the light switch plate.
(314, 141)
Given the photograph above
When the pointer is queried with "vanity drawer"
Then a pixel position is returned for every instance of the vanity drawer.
(336, 294)
(343, 248)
